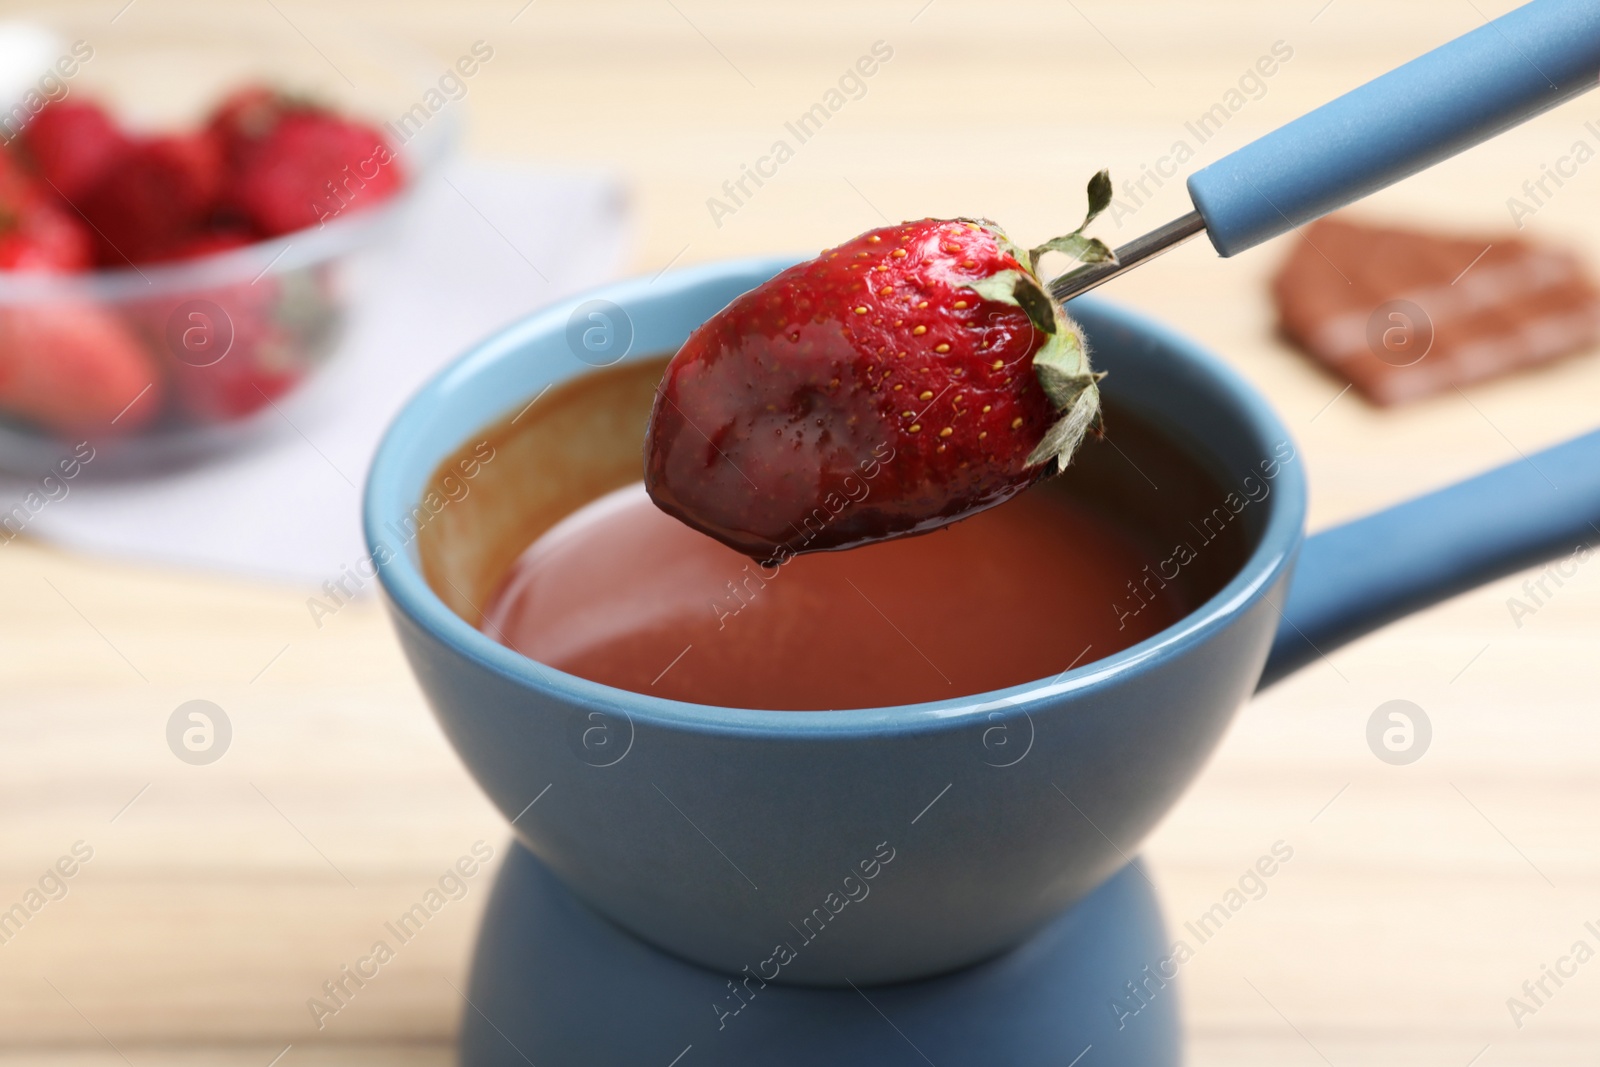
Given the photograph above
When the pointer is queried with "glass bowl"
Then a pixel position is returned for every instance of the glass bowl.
(227, 339)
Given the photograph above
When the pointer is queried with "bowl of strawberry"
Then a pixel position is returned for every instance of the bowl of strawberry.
(161, 288)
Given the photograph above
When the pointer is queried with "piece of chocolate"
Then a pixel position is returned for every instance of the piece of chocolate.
(1402, 314)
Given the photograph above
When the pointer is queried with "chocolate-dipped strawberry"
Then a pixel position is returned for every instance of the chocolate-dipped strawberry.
(896, 383)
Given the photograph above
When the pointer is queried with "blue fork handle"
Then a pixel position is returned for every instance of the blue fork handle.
(1354, 578)
(1458, 95)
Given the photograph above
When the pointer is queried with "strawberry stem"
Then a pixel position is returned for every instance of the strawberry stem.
(1082, 249)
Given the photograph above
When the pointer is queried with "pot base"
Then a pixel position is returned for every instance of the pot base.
(555, 984)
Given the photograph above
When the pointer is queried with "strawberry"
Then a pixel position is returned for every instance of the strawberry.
(231, 349)
(158, 196)
(65, 364)
(309, 167)
(74, 367)
(73, 145)
(43, 238)
(243, 119)
(898, 382)
(36, 232)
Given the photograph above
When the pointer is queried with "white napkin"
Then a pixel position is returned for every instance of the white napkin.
(26, 51)
(288, 506)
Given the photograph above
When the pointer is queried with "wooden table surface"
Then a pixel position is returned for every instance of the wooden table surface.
(1419, 898)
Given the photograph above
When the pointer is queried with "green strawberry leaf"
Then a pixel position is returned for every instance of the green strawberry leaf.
(1081, 248)
(1063, 438)
(1019, 290)
(1099, 196)
(1037, 303)
(1062, 367)
(999, 287)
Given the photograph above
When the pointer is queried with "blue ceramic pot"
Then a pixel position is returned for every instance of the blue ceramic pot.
(879, 845)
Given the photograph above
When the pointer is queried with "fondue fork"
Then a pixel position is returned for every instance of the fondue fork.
(1460, 94)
